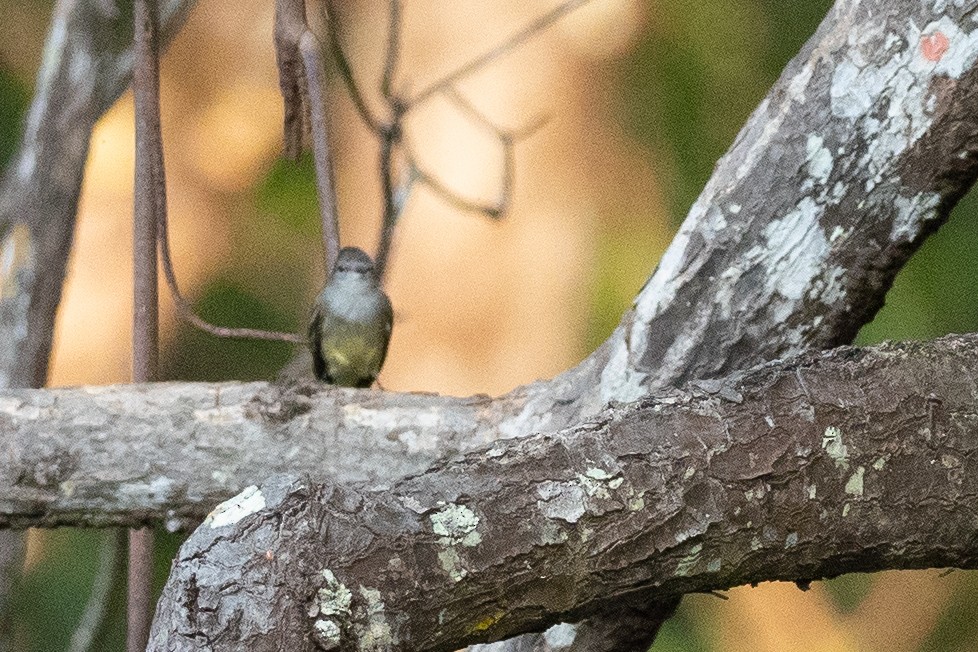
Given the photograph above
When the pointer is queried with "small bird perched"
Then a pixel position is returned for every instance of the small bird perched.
(351, 323)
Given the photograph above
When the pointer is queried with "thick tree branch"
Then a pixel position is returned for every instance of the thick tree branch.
(851, 460)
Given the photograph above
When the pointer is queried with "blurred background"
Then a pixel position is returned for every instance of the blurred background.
(642, 97)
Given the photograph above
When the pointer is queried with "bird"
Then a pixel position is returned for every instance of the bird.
(351, 323)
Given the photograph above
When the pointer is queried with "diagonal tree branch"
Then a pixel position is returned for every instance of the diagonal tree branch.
(851, 460)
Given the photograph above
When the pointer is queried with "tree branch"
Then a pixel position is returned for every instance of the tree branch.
(40, 189)
(851, 460)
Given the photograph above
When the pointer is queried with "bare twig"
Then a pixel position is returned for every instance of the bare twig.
(393, 51)
(343, 66)
(109, 566)
(186, 312)
(145, 353)
(312, 60)
(514, 41)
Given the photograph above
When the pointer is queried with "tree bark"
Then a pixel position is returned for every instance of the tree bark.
(846, 461)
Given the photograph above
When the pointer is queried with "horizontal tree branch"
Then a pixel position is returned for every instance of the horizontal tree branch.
(850, 460)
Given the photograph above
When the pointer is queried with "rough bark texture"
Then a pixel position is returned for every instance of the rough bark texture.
(851, 460)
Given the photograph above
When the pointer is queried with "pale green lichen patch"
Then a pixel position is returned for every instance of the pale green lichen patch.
(881, 462)
(854, 486)
(333, 603)
(561, 500)
(452, 564)
(457, 524)
(248, 502)
(845, 510)
(791, 540)
(835, 447)
(553, 534)
(812, 489)
(328, 632)
(598, 474)
(688, 563)
(755, 543)
(594, 488)
(377, 634)
(714, 566)
(334, 599)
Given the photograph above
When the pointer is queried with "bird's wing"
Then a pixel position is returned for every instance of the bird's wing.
(316, 343)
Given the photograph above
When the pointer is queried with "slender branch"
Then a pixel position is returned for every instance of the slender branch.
(393, 51)
(301, 78)
(149, 203)
(519, 38)
(325, 186)
(344, 69)
(186, 312)
(389, 140)
(106, 574)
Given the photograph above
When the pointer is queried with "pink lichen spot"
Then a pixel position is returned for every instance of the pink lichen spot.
(933, 46)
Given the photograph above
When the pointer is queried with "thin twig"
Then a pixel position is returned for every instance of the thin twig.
(325, 186)
(145, 353)
(289, 22)
(109, 567)
(393, 51)
(344, 69)
(511, 43)
(186, 312)
(389, 139)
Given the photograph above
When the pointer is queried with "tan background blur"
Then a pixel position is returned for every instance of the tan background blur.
(642, 96)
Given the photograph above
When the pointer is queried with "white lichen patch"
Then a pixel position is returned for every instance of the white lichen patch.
(819, 159)
(157, 491)
(854, 486)
(452, 564)
(688, 563)
(811, 489)
(835, 448)
(791, 540)
(755, 543)
(902, 80)
(845, 510)
(714, 565)
(911, 213)
(795, 248)
(232, 510)
(881, 462)
(562, 500)
(456, 524)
